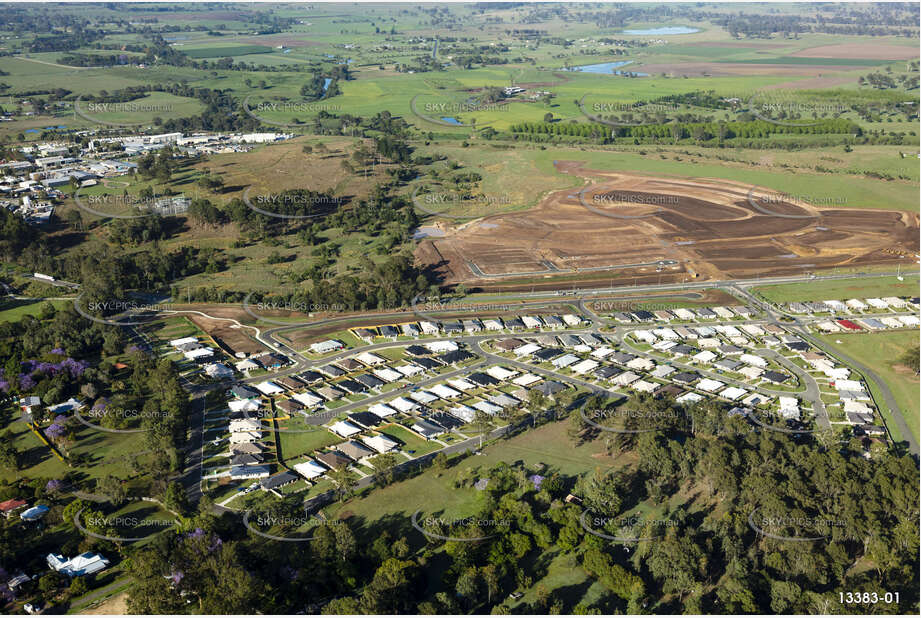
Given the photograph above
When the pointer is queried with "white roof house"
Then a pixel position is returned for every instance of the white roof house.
(689, 398)
(709, 342)
(268, 388)
(662, 371)
(244, 424)
(602, 352)
(370, 359)
(643, 386)
(247, 365)
(756, 399)
(710, 385)
(409, 369)
(445, 392)
(465, 413)
(344, 429)
(644, 335)
(409, 329)
(441, 346)
(704, 357)
(572, 320)
(894, 301)
(381, 444)
(493, 324)
(382, 410)
(584, 366)
(198, 353)
(245, 437)
(423, 397)
(666, 333)
(388, 375)
(891, 322)
(640, 363)
(827, 326)
(684, 314)
(322, 347)
(488, 408)
(664, 345)
(308, 399)
(856, 304)
(789, 407)
(625, 378)
(751, 359)
(877, 303)
(752, 329)
(564, 361)
(723, 312)
(835, 305)
(501, 373)
(752, 373)
(402, 404)
(461, 384)
(527, 379)
(531, 321)
(179, 342)
(429, 328)
(526, 349)
(84, 564)
(218, 370)
(733, 392)
(309, 469)
(909, 320)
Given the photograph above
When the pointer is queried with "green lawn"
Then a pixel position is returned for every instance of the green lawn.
(881, 352)
(12, 310)
(298, 444)
(844, 289)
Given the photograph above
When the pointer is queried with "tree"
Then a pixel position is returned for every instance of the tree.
(383, 468)
(78, 587)
(9, 454)
(344, 479)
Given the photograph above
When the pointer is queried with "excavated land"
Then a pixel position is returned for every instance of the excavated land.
(627, 227)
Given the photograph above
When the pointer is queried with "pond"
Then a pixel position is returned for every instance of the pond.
(606, 68)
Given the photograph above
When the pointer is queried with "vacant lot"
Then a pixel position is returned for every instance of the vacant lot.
(673, 229)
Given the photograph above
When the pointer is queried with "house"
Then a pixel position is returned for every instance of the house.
(8, 507)
(246, 365)
(482, 379)
(365, 420)
(248, 448)
(349, 364)
(504, 401)
(246, 459)
(344, 429)
(429, 328)
(564, 361)
(733, 392)
(552, 321)
(272, 360)
(531, 321)
(290, 382)
(423, 397)
(527, 379)
(684, 314)
(242, 473)
(410, 330)
(388, 375)
(452, 326)
(365, 334)
(710, 385)
(269, 388)
(84, 564)
(547, 353)
(493, 324)
(352, 387)
(584, 366)
(472, 326)
(290, 406)
(429, 364)
(751, 359)
(775, 377)
(370, 359)
(389, 331)
(307, 399)
(455, 357)
(332, 371)
(427, 429)
(382, 410)
(464, 413)
(461, 385)
(309, 469)
(417, 350)
(278, 480)
(501, 373)
(334, 459)
(549, 387)
(241, 437)
(241, 391)
(354, 450)
(789, 407)
(369, 381)
(445, 392)
(322, 347)
(487, 408)
(381, 444)
(445, 420)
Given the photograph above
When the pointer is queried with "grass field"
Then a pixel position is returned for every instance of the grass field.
(881, 352)
(12, 310)
(874, 287)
